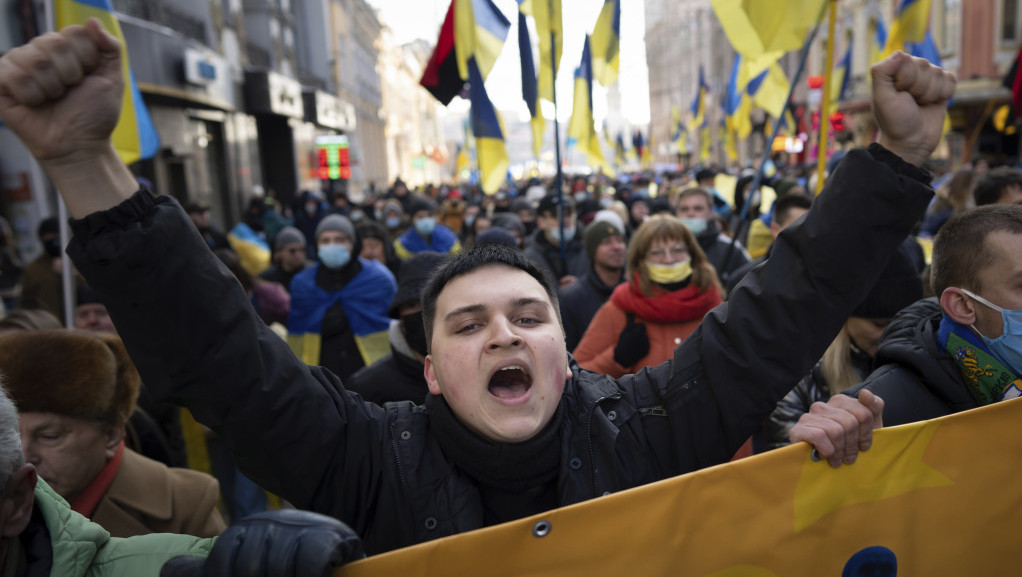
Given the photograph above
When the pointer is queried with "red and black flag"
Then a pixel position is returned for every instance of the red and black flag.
(441, 77)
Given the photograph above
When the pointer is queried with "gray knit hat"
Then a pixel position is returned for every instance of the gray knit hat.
(288, 235)
(337, 223)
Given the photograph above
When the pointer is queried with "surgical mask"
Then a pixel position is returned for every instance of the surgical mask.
(569, 233)
(393, 221)
(606, 202)
(696, 226)
(356, 216)
(580, 196)
(311, 208)
(469, 220)
(334, 255)
(425, 226)
(414, 331)
(670, 273)
(1007, 348)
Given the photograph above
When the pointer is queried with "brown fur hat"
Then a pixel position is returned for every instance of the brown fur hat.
(74, 373)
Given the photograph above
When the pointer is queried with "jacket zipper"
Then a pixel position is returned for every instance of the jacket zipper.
(589, 442)
(654, 411)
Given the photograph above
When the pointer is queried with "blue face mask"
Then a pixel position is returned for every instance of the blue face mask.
(334, 255)
(425, 226)
(392, 221)
(1007, 348)
(696, 226)
(569, 233)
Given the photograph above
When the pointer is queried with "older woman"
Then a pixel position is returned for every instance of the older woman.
(670, 287)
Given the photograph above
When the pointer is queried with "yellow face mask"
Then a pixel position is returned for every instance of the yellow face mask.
(670, 273)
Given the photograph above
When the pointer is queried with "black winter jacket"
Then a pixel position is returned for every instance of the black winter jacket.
(916, 378)
(579, 302)
(297, 432)
(547, 255)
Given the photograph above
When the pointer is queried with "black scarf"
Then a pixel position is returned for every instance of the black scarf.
(512, 467)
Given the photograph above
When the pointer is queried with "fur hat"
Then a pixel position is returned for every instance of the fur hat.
(74, 373)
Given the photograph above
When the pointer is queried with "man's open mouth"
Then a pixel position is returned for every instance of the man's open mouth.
(510, 382)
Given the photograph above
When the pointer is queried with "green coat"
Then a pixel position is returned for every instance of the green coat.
(82, 548)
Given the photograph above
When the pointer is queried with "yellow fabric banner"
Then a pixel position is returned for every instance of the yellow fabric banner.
(932, 498)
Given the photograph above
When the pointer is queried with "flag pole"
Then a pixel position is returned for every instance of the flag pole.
(776, 129)
(557, 148)
(821, 151)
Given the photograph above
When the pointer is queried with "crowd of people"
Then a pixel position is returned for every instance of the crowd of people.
(416, 364)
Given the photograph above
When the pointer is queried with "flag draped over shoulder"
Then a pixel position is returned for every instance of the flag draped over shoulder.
(135, 136)
(606, 43)
(910, 23)
(581, 126)
(931, 498)
(530, 90)
(491, 153)
(758, 27)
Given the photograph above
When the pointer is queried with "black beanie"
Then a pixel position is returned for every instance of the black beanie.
(595, 233)
(899, 285)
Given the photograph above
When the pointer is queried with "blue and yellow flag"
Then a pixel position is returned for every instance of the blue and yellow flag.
(930, 498)
(679, 133)
(491, 153)
(135, 137)
(759, 27)
(909, 25)
(480, 30)
(840, 77)
(253, 252)
(698, 106)
(876, 49)
(547, 15)
(530, 89)
(769, 90)
(737, 105)
(607, 43)
(581, 126)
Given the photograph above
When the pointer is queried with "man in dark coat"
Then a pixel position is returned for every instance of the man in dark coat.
(544, 245)
(399, 375)
(606, 249)
(512, 426)
(963, 348)
(695, 209)
(289, 252)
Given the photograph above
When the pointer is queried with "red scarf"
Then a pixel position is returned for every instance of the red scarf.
(665, 307)
(87, 502)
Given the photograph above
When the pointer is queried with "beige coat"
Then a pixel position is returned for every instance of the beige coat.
(146, 497)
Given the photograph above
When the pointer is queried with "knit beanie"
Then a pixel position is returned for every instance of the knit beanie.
(595, 233)
(336, 223)
(93, 378)
(289, 235)
(421, 204)
(899, 285)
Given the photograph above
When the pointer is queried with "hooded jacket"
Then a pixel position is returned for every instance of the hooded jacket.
(296, 431)
(77, 547)
(916, 378)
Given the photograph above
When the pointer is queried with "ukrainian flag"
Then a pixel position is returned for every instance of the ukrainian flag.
(581, 126)
(135, 136)
(547, 15)
(736, 105)
(876, 53)
(491, 154)
(769, 90)
(678, 136)
(758, 27)
(698, 106)
(910, 24)
(839, 80)
(253, 252)
(480, 30)
(607, 43)
(530, 90)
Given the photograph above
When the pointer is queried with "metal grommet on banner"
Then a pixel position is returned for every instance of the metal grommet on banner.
(815, 455)
(541, 529)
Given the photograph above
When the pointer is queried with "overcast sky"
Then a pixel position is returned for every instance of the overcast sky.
(422, 19)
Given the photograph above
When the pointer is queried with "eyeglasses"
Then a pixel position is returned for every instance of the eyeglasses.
(664, 253)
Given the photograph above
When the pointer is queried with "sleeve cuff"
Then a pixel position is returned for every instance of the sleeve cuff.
(898, 164)
(140, 205)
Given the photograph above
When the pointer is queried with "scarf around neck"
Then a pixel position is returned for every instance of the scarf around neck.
(989, 381)
(506, 466)
(667, 307)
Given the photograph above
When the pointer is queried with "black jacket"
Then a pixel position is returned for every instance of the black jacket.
(395, 377)
(579, 302)
(724, 258)
(296, 431)
(916, 378)
(548, 255)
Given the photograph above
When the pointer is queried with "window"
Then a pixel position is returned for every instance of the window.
(1009, 20)
(950, 24)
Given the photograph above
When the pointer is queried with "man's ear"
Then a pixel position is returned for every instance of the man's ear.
(429, 372)
(114, 436)
(16, 504)
(957, 305)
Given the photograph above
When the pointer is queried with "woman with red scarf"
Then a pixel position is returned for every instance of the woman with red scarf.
(670, 287)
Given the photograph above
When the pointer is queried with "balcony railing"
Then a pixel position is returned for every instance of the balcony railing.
(165, 14)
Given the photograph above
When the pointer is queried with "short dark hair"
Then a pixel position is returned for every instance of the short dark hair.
(475, 258)
(960, 251)
(990, 188)
(785, 204)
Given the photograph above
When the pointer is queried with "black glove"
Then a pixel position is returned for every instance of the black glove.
(280, 543)
(632, 345)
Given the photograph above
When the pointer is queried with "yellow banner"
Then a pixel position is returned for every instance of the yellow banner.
(932, 498)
